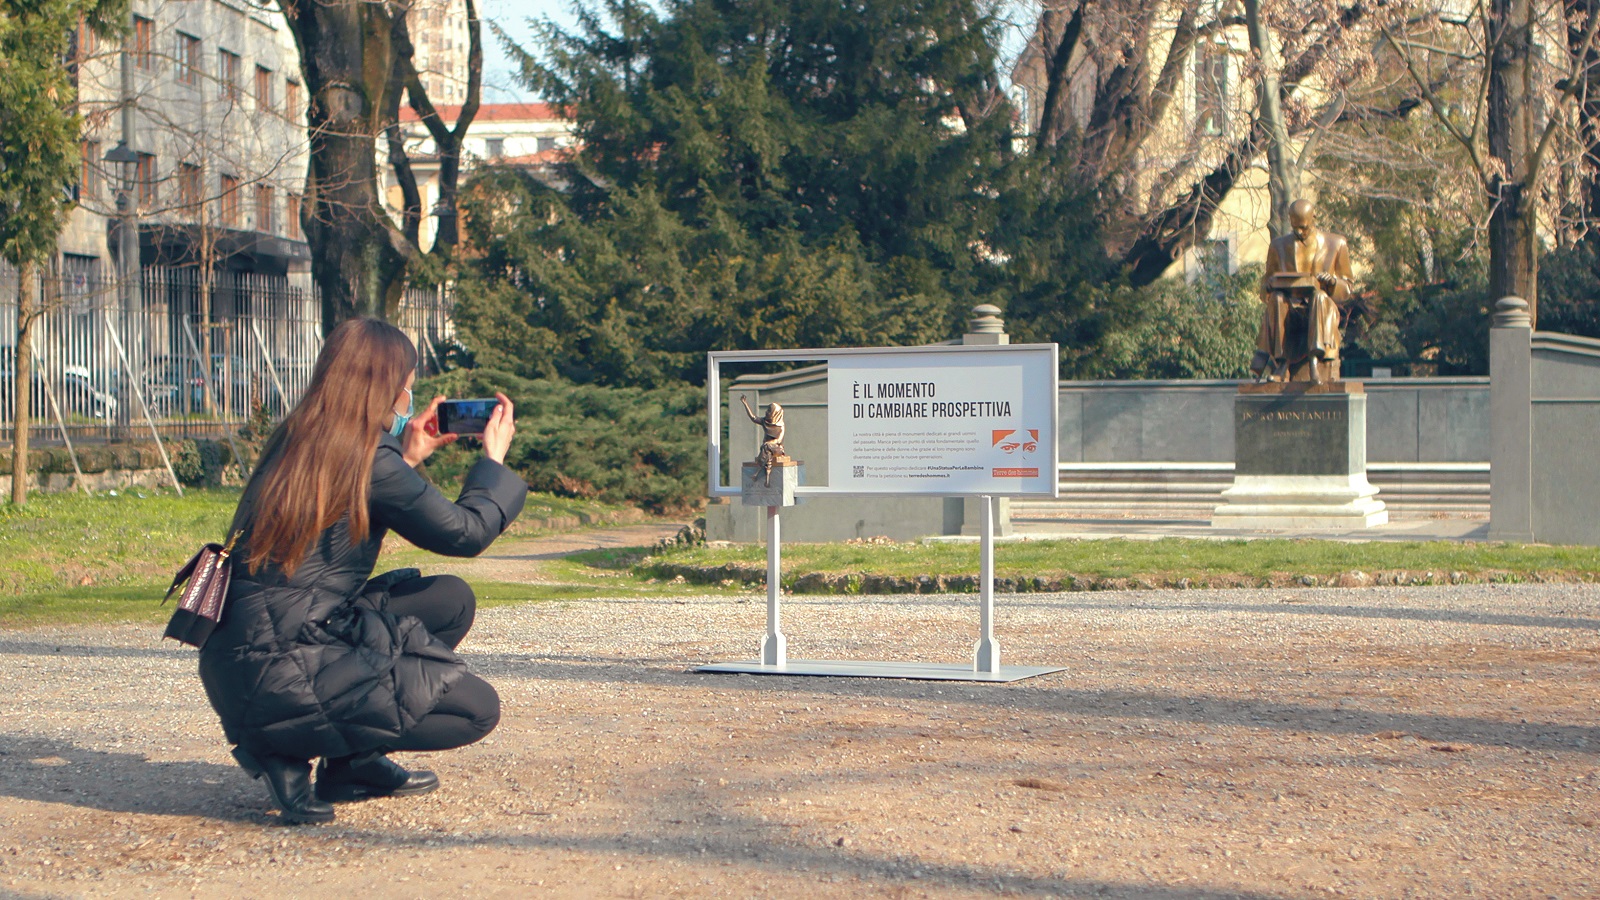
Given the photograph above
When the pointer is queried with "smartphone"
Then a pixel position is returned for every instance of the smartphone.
(465, 417)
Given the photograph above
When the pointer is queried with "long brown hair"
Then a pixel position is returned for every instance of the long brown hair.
(316, 466)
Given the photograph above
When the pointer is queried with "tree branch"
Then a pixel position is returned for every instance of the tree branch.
(1439, 112)
(1569, 89)
(1175, 229)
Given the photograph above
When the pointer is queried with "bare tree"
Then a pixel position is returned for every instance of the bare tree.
(447, 139)
(1114, 76)
(1526, 114)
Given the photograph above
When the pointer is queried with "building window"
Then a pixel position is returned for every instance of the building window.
(188, 59)
(291, 99)
(87, 43)
(144, 41)
(228, 202)
(1211, 88)
(291, 217)
(145, 178)
(546, 143)
(264, 199)
(496, 147)
(189, 188)
(1215, 258)
(227, 74)
(263, 88)
(88, 171)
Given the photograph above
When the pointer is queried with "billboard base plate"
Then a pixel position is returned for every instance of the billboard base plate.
(867, 669)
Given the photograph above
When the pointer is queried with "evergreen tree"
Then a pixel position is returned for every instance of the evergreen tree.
(39, 123)
(753, 173)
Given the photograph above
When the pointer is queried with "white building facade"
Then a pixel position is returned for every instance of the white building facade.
(533, 136)
(218, 126)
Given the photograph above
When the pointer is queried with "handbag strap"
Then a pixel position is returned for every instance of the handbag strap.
(189, 567)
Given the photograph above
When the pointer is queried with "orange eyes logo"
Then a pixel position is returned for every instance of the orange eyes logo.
(1004, 439)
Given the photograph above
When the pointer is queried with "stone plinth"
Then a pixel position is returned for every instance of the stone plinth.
(756, 489)
(1300, 459)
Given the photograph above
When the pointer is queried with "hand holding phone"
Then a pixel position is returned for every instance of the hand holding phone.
(501, 429)
(467, 418)
(423, 436)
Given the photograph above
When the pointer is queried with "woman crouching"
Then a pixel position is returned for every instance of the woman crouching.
(312, 658)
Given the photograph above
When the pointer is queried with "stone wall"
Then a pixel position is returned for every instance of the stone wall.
(107, 466)
(1409, 420)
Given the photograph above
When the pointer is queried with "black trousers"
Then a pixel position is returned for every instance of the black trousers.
(470, 709)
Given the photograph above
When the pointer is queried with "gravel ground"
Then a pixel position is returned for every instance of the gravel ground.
(1379, 742)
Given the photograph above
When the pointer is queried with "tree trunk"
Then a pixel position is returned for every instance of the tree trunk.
(1055, 115)
(358, 258)
(1282, 186)
(22, 383)
(447, 140)
(1513, 264)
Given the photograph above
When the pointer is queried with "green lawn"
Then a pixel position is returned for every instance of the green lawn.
(133, 536)
(1163, 562)
(108, 557)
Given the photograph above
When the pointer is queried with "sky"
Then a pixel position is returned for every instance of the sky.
(513, 16)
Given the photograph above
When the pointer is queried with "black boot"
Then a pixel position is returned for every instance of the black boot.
(369, 775)
(289, 782)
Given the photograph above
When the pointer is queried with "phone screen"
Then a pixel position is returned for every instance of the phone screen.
(466, 417)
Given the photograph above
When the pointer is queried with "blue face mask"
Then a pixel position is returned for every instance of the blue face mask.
(400, 419)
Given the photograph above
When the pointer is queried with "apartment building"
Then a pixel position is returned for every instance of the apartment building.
(440, 42)
(218, 129)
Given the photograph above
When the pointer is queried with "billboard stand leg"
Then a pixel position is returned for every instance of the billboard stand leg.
(773, 646)
(986, 654)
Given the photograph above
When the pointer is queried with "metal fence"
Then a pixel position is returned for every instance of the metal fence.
(181, 356)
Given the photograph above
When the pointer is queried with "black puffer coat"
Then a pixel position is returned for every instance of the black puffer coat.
(314, 665)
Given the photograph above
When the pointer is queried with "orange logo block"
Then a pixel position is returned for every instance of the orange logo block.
(1008, 440)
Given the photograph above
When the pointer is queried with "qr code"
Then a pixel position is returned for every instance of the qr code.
(859, 471)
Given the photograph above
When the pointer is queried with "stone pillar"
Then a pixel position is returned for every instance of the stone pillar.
(1511, 422)
(986, 327)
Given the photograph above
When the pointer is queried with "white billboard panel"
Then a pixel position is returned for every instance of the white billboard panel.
(950, 421)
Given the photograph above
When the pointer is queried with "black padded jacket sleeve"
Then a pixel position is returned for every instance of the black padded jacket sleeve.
(404, 502)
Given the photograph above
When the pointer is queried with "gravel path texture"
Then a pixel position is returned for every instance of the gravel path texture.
(1378, 742)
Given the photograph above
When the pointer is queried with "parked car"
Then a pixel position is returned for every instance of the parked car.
(77, 391)
(173, 386)
(81, 393)
(176, 385)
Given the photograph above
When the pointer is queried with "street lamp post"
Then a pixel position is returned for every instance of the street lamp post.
(127, 162)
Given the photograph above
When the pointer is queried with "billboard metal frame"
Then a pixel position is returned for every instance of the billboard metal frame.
(715, 359)
(774, 659)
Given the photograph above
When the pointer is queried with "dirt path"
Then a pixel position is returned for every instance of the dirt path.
(1380, 742)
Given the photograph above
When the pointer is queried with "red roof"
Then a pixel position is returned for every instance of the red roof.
(493, 112)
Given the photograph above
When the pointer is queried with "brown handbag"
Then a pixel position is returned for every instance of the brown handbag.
(199, 610)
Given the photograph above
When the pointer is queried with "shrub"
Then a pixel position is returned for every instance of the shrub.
(620, 445)
(198, 463)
